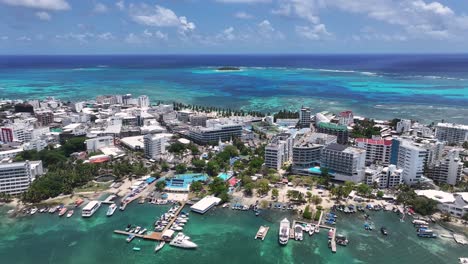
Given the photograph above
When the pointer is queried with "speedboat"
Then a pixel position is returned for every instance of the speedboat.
(298, 233)
(383, 230)
(33, 211)
(142, 231)
(182, 241)
(341, 240)
(130, 238)
(307, 228)
(463, 260)
(284, 231)
(181, 220)
(159, 246)
(62, 211)
(111, 209)
(137, 229)
(128, 227)
(70, 213)
(177, 228)
(312, 230)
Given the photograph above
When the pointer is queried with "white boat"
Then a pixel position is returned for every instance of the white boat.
(70, 213)
(90, 208)
(317, 229)
(307, 228)
(137, 229)
(420, 222)
(298, 232)
(33, 211)
(111, 209)
(284, 231)
(312, 230)
(177, 228)
(142, 231)
(159, 246)
(181, 220)
(463, 260)
(182, 241)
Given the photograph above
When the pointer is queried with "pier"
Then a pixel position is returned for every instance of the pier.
(155, 236)
(460, 239)
(109, 200)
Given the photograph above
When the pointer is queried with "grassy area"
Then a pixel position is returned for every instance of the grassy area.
(93, 187)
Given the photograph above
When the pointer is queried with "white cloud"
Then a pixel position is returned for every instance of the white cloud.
(226, 34)
(302, 9)
(146, 37)
(120, 5)
(105, 36)
(243, 15)
(82, 38)
(4, 38)
(24, 38)
(100, 8)
(160, 17)
(317, 32)
(243, 1)
(266, 30)
(40, 4)
(43, 15)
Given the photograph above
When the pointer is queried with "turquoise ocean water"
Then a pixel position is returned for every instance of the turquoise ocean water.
(223, 236)
(421, 87)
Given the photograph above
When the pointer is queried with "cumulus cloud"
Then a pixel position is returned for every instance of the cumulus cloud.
(243, 15)
(160, 17)
(81, 38)
(120, 5)
(317, 32)
(266, 30)
(40, 4)
(105, 36)
(43, 15)
(146, 37)
(302, 9)
(100, 8)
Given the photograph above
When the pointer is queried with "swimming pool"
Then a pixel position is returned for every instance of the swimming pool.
(182, 181)
(224, 176)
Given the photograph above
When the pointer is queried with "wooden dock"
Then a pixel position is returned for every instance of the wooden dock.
(262, 232)
(333, 241)
(155, 236)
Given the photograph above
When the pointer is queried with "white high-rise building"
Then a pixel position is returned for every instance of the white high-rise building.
(155, 146)
(278, 151)
(16, 177)
(390, 177)
(447, 170)
(411, 159)
(345, 163)
(403, 126)
(143, 101)
(377, 150)
(452, 133)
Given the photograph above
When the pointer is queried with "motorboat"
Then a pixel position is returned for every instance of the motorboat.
(312, 231)
(177, 228)
(33, 211)
(62, 211)
(307, 228)
(159, 246)
(137, 229)
(182, 241)
(70, 213)
(284, 231)
(142, 231)
(463, 260)
(317, 229)
(420, 222)
(383, 230)
(341, 240)
(130, 238)
(128, 227)
(298, 233)
(111, 209)
(181, 220)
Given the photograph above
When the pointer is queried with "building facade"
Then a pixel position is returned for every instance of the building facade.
(341, 132)
(155, 146)
(452, 133)
(447, 170)
(411, 159)
(16, 177)
(278, 151)
(343, 162)
(304, 117)
(377, 151)
(206, 135)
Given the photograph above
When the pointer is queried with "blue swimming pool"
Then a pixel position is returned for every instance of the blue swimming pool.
(224, 176)
(182, 181)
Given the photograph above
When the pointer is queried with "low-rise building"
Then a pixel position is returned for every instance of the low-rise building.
(455, 204)
(95, 144)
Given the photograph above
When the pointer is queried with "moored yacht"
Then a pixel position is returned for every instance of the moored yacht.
(70, 213)
(182, 241)
(111, 209)
(284, 232)
(90, 208)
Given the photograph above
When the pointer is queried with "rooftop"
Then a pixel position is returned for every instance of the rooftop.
(332, 126)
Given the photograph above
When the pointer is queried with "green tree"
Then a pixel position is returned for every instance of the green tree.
(263, 186)
(248, 188)
(307, 214)
(364, 189)
(316, 199)
(212, 168)
(180, 168)
(160, 185)
(196, 186)
(275, 193)
(199, 165)
(380, 194)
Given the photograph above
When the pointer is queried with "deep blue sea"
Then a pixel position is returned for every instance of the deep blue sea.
(420, 87)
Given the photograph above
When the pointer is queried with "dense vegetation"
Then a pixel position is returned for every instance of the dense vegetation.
(365, 129)
(286, 114)
(226, 112)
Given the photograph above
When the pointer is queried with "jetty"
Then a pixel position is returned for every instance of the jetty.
(155, 236)
(262, 232)
(109, 200)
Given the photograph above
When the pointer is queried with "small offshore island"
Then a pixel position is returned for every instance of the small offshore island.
(319, 185)
(228, 68)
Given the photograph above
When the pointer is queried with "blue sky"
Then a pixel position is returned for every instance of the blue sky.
(232, 26)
